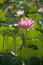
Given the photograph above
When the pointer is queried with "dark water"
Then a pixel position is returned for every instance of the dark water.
(8, 59)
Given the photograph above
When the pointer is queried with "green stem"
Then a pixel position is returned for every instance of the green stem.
(26, 45)
(3, 43)
(26, 34)
(7, 44)
(15, 44)
(3, 51)
(7, 37)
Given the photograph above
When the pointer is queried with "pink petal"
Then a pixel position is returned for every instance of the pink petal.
(31, 23)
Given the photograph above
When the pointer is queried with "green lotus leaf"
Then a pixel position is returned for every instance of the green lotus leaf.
(2, 16)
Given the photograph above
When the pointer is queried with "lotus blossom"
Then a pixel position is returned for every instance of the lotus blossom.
(28, 24)
(34, 1)
(40, 9)
(20, 12)
(10, 7)
(20, 2)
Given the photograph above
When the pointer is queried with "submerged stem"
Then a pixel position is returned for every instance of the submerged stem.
(40, 61)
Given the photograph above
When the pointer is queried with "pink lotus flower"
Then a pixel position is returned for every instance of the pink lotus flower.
(10, 7)
(34, 1)
(20, 12)
(28, 24)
